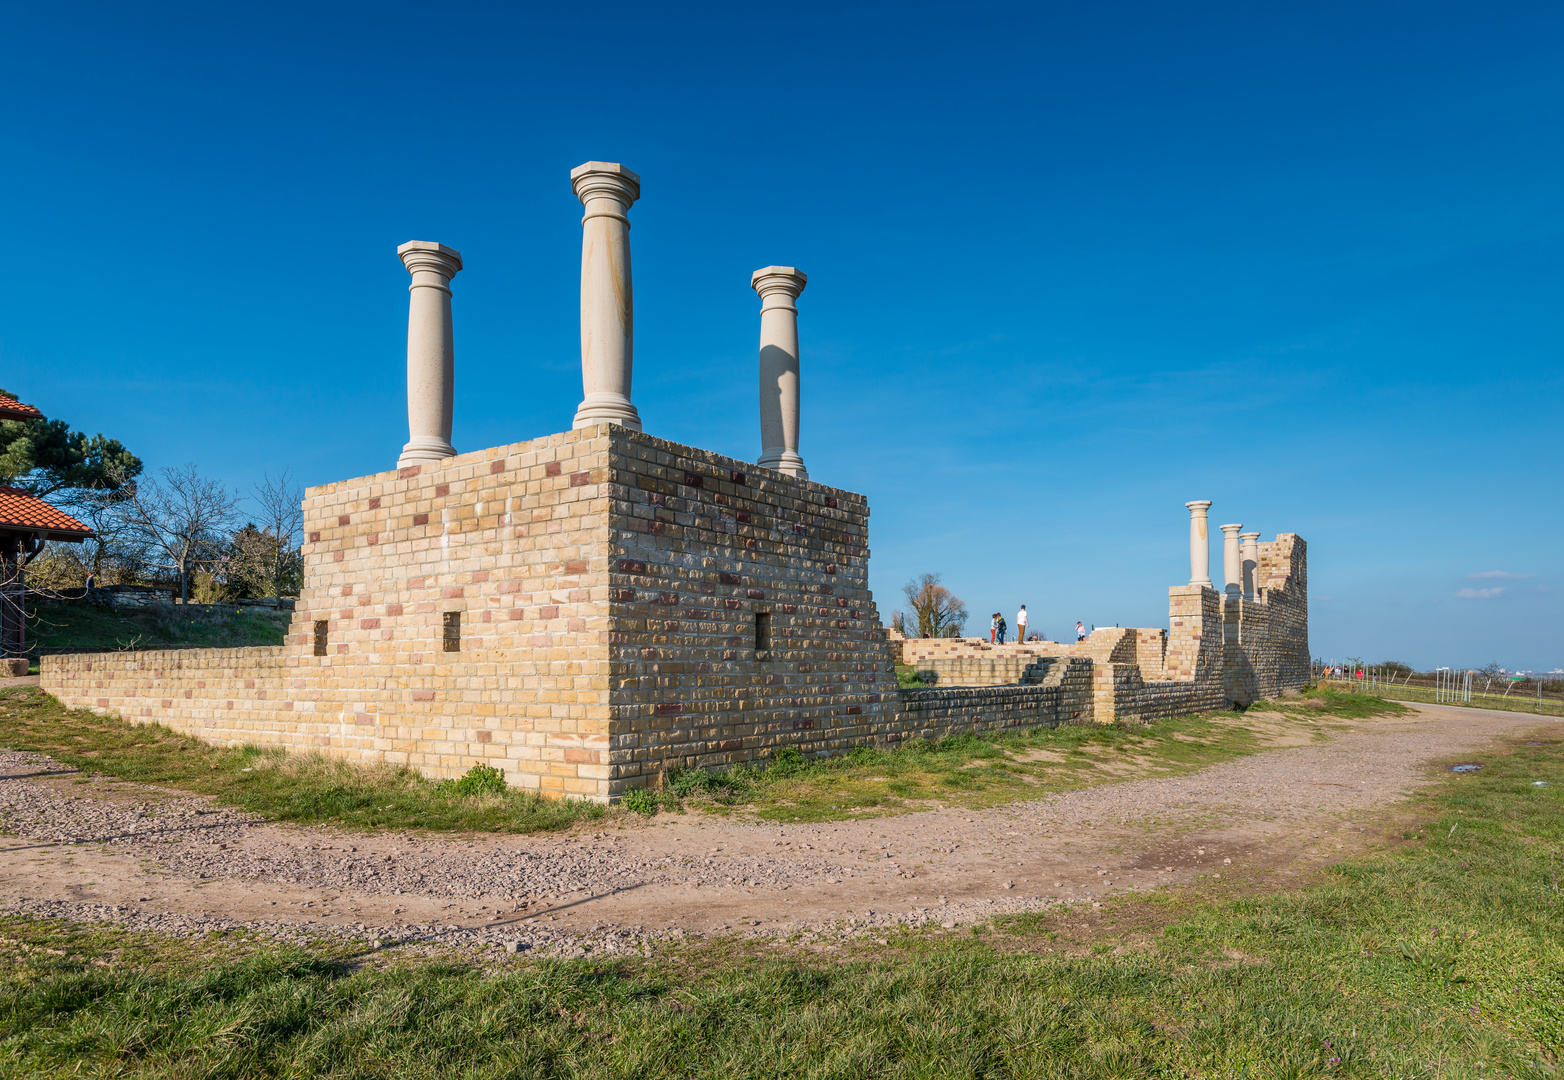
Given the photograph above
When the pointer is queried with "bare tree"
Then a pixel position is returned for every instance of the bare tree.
(940, 613)
(281, 520)
(185, 517)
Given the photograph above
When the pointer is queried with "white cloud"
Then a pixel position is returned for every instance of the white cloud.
(1479, 594)
(1496, 574)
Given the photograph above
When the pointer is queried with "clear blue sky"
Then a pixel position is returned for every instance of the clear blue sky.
(1069, 267)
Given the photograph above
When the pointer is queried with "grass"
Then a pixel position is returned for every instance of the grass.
(985, 770)
(302, 788)
(1512, 702)
(964, 770)
(1442, 957)
(80, 625)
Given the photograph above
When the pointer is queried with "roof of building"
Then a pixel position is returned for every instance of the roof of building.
(21, 512)
(11, 409)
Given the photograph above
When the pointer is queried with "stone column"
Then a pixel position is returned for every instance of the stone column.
(1199, 545)
(1232, 562)
(1251, 559)
(779, 287)
(431, 351)
(606, 190)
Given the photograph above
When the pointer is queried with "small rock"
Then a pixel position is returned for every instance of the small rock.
(1010, 884)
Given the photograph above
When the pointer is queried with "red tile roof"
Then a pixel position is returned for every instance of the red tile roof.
(20, 511)
(11, 409)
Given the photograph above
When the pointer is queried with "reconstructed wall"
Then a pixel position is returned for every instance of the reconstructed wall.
(589, 610)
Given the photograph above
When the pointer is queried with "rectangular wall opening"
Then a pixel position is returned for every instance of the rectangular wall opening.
(453, 631)
(320, 637)
(762, 631)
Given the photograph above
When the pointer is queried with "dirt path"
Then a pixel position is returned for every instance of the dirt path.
(162, 859)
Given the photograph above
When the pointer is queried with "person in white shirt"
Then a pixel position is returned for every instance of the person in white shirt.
(1021, 624)
(1080, 631)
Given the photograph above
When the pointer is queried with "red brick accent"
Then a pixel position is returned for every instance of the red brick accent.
(803, 725)
(484, 735)
(670, 709)
(625, 595)
(497, 467)
(855, 710)
(580, 479)
(632, 566)
(739, 478)
(577, 566)
(731, 744)
(830, 500)
(694, 480)
(743, 517)
(830, 568)
(369, 624)
(452, 592)
(551, 469)
(374, 504)
(314, 537)
(756, 594)
(423, 695)
(550, 612)
(728, 579)
(731, 605)
(442, 490)
(343, 519)
(420, 519)
(409, 472)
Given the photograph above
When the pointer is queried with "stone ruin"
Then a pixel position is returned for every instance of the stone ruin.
(587, 610)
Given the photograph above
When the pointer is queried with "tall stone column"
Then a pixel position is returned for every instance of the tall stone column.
(1199, 544)
(779, 287)
(1232, 561)
(1251, 558)
(431, 351)
(606, 190)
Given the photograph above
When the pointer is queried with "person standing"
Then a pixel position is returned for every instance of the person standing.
(1003, 626)
(1021, 623)
(1080, 631)
(993, 628)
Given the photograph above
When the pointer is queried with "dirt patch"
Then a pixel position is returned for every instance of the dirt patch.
(167, 860)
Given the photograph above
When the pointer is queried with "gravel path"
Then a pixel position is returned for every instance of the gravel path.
(164, 860)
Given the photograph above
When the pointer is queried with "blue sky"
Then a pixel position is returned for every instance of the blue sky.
(1069, 267)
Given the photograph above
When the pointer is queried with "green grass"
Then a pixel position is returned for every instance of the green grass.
(1515, 701)
(80, 625)
(989, 769)
(303, 788)
(1443, 957)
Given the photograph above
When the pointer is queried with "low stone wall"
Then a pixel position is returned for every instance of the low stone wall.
(1064, 696)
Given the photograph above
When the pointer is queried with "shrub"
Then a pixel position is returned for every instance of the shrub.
(641, 801)
(478, 780)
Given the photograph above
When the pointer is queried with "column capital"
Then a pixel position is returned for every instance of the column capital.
(426, 255)
(1230, 530)
(605, 180)
(784, 282)
(1199, 506)
(1248, 536)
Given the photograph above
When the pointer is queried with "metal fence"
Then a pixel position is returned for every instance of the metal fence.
(1448, 686)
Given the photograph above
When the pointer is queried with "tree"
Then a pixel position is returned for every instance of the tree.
(45, 457)
(939, 612)
(185, 517)
(282, 520)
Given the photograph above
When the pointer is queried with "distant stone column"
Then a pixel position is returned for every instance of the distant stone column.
(431, 351)
(1251, 558)
(606, 190)
(1232, 561)
(779, 287)
(1199, 544)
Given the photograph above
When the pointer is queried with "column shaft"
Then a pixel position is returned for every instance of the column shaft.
(779, 288)
(606, 191)
(1251, 560)
(1232, 561)
(431, 351)
(1199, 544)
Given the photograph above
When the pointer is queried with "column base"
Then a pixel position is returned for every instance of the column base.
(1204, 582)
(421, 448)
(784, 461)
(604, 408)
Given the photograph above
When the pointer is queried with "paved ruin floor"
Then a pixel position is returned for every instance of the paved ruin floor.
(156, 858)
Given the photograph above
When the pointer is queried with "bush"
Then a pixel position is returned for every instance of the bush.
(640, 801)
(478, 780)
(787, 761)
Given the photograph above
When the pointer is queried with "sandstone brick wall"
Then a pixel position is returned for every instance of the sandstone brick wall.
(588, 610)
